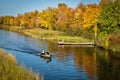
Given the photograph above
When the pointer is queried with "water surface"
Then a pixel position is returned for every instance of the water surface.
(67, 62)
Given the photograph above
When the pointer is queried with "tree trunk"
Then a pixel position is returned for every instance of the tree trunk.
(107, 42)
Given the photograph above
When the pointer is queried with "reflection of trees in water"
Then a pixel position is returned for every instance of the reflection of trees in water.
(83, 57)
(61, 52)
(87, 58)
(51, 46)
(99, 64)
(64, 54)
(108, 66)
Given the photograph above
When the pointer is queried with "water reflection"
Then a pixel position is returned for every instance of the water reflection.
(84, 58)
(108, 67)
(47, 60)
(99, 64)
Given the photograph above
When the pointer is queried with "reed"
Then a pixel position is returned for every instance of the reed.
(53, 35)
(9, 70)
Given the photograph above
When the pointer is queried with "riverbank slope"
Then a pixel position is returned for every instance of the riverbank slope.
(9, 70)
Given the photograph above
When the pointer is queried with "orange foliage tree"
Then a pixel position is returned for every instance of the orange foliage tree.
(77, 23)
(64, 17)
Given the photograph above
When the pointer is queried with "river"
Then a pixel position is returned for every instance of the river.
(67, 62)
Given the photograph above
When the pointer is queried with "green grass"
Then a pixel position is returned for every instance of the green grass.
(9, 70)
(53, 35)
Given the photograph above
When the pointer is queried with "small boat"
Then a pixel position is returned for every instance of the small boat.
(45, 54)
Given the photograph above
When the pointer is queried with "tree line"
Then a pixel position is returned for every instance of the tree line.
(103, 18)
(62, 18)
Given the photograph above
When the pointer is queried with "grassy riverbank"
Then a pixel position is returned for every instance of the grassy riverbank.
(46, 34)
(53, 35)
(9, 70)
(114, 41)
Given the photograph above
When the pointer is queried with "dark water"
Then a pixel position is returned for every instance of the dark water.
(67, 62)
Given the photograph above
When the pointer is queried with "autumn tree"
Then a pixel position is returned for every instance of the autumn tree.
(38, 20)
(12, 21)
(64, 17)
(91, 17)
(1, 20)
(79, 12)
(48, 18)
(77, 22)
(16, 21)
(6, 20)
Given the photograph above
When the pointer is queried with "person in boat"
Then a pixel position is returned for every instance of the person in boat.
(43, 52)
(47, 53)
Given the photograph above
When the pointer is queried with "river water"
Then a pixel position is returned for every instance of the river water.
(67, 62)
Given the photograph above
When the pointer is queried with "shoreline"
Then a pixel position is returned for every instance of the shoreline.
(54, 35)
(10, 69)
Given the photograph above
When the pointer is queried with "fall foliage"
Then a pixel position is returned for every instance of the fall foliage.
(83, 20)
(62, 18)
(91, 15)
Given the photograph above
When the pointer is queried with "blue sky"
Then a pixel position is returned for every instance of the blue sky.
(14, 7)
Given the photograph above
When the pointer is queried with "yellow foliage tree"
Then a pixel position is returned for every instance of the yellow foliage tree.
(48, 18)
(12, 21)
(91, 16)
(64, 17)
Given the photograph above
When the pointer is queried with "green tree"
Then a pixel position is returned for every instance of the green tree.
(109, 19)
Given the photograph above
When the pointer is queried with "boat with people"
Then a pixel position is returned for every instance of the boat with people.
(45, 54)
